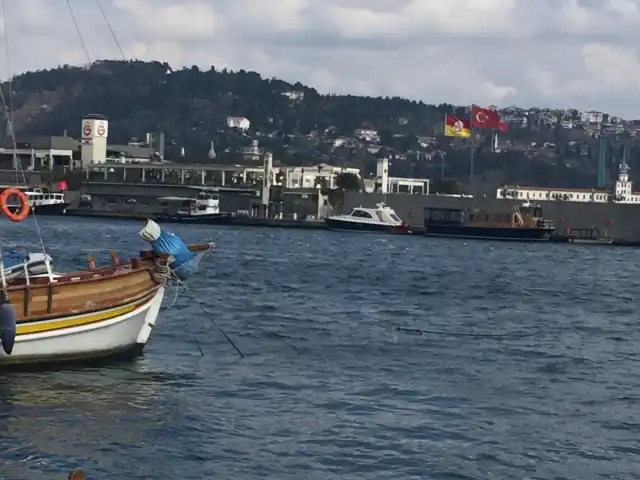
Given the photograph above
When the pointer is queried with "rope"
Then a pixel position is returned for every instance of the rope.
(210, 316)
(8, 56)
(16, 159)
(113, 33)
(75, 23)
(193, 333)
(207, 314)
(422, 331)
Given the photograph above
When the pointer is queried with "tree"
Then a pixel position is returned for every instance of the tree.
(348, 182)
(446, 185)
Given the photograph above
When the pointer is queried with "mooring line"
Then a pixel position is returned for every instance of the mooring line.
(422, 331)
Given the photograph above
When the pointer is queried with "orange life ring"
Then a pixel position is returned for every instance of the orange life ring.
(23, 211)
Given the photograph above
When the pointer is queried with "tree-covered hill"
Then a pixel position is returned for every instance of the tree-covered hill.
(301, 126)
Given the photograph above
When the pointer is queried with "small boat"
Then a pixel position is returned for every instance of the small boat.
(381, 219)
(42, 202)
(522, 223)
(205, 208)
(91, 314)
(17, 265)
(96, 313)
(586, 236)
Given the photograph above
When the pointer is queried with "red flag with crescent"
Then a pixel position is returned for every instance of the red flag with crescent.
(484, 118)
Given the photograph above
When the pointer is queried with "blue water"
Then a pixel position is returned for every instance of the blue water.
(548, 389)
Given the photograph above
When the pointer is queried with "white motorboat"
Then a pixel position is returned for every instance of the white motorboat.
(381, 219)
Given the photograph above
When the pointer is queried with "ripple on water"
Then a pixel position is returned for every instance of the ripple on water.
(553, 394)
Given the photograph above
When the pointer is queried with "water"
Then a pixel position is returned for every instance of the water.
(553, 394)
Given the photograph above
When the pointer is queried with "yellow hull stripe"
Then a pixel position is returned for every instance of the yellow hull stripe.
(77, 321)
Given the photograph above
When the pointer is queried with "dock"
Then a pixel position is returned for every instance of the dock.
(289, 224)
(86, 212)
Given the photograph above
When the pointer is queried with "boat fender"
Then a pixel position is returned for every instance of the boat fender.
(8, 323)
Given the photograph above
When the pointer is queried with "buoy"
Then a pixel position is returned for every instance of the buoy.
(8, 322)
(23, 209)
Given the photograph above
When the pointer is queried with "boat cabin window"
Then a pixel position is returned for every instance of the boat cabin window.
(360, 213)
(207, 196)
(202, 207)
(443, 215)
(394, 217)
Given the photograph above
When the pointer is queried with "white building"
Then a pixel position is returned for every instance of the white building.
(294, 95)
(367, 134)
(241, 123)
(386, 184)
(311, 177)
(622, 192)
(592, 116)
(95, 132)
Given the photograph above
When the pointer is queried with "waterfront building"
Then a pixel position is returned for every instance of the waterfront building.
(385, 184)
(622, 192)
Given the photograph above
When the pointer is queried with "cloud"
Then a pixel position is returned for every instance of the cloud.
(555, 53)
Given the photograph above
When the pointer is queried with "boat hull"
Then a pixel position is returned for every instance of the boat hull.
(489, 233)
(362, 227)
(52, 209)
(208, 219)
(111, 332)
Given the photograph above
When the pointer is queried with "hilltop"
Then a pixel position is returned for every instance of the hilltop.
(191, 107)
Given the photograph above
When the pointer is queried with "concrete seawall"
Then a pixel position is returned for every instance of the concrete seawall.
(620, 220)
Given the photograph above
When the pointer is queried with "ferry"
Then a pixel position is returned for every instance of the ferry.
(42, 202)
(522, 223)
(381, 219)
(205, 208)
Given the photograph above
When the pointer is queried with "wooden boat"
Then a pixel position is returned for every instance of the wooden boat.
(91, 314)
(521, 223)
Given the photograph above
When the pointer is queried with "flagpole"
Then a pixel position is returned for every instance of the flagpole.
(471, 155)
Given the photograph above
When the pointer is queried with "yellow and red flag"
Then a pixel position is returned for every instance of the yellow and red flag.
(456, 127)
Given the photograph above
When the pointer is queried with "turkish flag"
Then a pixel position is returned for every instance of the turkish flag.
(484, 118)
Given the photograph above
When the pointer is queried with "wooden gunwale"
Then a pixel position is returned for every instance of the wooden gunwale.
(83, 276)
(94, 308)
(71, 294)
(135, 303)
(64, 296)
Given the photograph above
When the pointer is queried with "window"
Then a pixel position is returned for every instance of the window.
(361, 214)
(442, 215)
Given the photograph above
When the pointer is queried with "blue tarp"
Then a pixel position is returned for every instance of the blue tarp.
(184, 260)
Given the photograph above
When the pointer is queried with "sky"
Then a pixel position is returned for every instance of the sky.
(529, 53)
